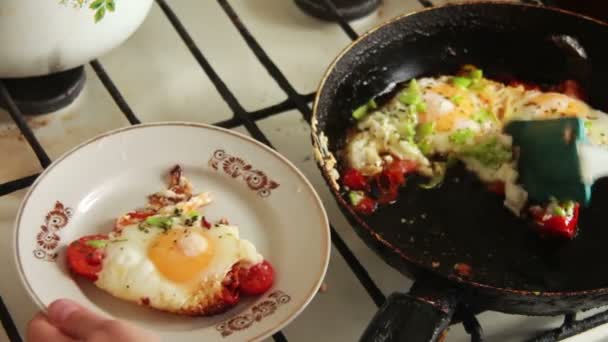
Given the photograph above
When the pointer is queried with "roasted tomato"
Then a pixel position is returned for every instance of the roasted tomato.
(230, 292)
(257, 279)
(85, 256)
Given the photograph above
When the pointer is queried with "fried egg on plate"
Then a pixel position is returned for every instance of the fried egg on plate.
(179, 270)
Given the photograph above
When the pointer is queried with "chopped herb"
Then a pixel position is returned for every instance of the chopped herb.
(163, 222)
(128, 286)
(193, 215)
(588, 124)
(97, 243)
(177, 212)
(461, 136)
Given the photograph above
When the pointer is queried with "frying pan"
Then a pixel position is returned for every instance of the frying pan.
(426, 234)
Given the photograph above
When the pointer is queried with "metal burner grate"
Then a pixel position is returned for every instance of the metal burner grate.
(295, 100)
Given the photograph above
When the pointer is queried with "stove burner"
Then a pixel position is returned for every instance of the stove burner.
(45, 94)
(348, 9)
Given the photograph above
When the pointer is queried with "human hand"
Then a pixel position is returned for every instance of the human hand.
(67, 321)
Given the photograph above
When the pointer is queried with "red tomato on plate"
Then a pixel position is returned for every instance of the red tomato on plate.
(256, 279)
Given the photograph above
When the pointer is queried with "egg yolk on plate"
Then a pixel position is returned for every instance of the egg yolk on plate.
(181, 254)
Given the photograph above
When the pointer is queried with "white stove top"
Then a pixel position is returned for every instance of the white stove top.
(161, 80)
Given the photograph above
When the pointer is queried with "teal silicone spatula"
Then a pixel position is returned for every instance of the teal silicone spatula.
(555, 159)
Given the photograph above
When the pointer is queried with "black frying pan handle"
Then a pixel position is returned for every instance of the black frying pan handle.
(420, 316)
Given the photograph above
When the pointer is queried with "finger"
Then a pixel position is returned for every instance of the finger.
(40, 329)
(74, 320)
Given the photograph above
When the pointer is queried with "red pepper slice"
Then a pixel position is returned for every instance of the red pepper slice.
(354, 180)
(84, 259)
(551, 225)
(392, 178)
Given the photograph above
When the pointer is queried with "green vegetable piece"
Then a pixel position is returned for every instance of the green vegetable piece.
(372, 104)
(476, 74)
(412, 94)
(456, 99)
(406, 129)
(484, 115)
(588, 124)
(425, 129)
(569, 206)
(437, 179)
(425, 147)
(461, 136)
(97, 243)
(559, 211)
(462, 82)
(355, 197)
(420, 107)
(490, 153)
(362, 111)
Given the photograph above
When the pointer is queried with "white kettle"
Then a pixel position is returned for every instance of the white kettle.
(40, 37)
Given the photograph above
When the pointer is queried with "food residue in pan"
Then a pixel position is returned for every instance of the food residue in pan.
(433, 123)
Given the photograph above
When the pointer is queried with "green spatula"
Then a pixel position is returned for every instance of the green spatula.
(555, 160)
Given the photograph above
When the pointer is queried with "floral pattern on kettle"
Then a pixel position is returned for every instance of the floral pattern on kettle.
(101, 7)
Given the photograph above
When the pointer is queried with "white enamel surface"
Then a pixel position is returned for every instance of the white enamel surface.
(114, 173)
(168, 84)
(43, 36)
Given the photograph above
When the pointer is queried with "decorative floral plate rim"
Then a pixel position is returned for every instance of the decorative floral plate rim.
(326, 248)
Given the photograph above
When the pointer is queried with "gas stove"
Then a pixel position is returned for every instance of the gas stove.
(251, 66)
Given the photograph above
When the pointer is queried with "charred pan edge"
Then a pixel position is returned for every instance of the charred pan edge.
(327, 165)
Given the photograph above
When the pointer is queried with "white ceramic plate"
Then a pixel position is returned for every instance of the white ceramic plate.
(87, 188)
